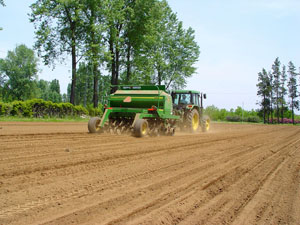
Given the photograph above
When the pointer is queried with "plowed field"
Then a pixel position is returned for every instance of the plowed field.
(57, 173)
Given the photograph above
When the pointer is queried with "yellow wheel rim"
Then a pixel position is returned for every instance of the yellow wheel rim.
(144, 128)
(195, 122)
(207, 125)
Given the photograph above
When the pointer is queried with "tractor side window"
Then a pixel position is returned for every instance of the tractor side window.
(194, 99)
(197, 99)
(176, 99)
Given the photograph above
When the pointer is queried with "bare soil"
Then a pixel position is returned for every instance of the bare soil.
(58, 173)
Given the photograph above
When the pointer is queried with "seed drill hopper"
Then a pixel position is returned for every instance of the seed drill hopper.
(137, 110)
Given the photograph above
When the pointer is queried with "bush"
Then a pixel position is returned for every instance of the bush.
(285, 121)
(233, 118)
(20, 108)
(80, 110)
(95, 111)
(5, 109)
(253, 119)
(39, 108)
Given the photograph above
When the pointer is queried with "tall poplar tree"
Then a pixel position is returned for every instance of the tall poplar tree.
(276, 85)
(84, 86)
(270, 89)
(282, 91)
(292, 86)
(169, 52)
(93, 17)
(59, 31)
(114, 16)
(263, 86)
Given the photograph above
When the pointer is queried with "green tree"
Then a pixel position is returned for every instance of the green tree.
(283, 91)
(271, 99)
(93, 17)
(20, 70)
(59, 30)
(49, 91)
(292, 87)
(114, 17)
(264, 87)
(140, 21)
(2, 80)
(169, 51)
(84, 87)
(276, 85)
(43, 87)
(64, 97)
(212, 111)
(54, 86)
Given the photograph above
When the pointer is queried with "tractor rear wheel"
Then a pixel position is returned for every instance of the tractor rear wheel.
(193, 120)
(205, 123)
(140, 128)
(93, 125)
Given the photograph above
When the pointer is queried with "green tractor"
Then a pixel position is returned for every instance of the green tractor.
(189, 106)
(150, 110)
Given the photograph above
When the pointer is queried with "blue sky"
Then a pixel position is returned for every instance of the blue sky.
(236, 38)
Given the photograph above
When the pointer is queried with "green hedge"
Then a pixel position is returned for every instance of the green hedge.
(250, 119)
(39, 108)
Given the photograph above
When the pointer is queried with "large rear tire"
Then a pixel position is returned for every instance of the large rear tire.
(205, 124)
(193, 120)
(140, 128)
(93, 125)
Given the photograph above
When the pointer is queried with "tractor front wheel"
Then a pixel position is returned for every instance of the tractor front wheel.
(93, 125)
(205, 123)
(193, 120)
(140, 128)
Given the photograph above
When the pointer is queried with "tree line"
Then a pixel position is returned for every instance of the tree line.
(232, 115)
(278, 89)
(114, 42)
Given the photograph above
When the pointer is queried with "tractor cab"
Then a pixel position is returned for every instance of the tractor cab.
(186, 98)
(183, 99)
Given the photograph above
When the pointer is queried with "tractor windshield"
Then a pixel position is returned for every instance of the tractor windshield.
(182, 99)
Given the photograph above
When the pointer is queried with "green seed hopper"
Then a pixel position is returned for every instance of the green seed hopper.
(139, 110)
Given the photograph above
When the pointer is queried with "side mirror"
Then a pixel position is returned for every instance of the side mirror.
(204, 96)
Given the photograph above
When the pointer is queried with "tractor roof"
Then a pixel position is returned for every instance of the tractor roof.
(186, 92)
